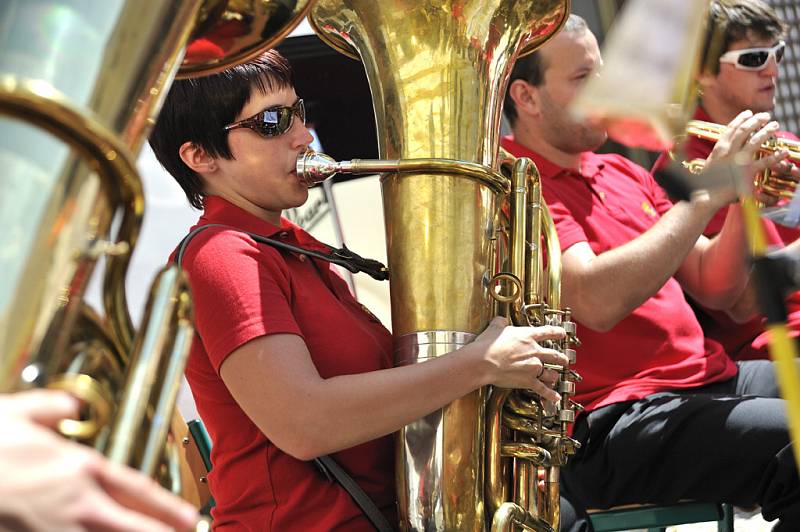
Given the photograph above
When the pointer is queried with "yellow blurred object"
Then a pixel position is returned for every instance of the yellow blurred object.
(644, 91)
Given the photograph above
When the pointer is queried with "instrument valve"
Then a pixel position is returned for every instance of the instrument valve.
(97, 248)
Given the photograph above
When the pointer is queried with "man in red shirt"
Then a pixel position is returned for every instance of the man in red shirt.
(743, 76)
(668, 415)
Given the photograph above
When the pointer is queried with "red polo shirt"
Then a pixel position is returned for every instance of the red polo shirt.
(742, 341)
(243, 290)
(660, 345)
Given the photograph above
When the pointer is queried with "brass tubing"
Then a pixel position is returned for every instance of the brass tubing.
(518, 201)
(39, 103)
(159, 356)
(315, 167)
(538, 212)
(496, 485)
(510, 515)
(167, 395)
(553, 259)
(527, 451)
(551, 500)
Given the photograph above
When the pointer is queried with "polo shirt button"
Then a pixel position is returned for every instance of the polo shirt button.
(284, 234)
(302, 258)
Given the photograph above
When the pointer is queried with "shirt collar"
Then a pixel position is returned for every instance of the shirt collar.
(218, 210)
(701, 114)
(591, 163)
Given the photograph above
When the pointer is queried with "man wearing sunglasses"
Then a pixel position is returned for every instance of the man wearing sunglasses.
(668, 415)
(741, 74)
(748, 36)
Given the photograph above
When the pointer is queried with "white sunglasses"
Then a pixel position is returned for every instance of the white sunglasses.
(753, 58)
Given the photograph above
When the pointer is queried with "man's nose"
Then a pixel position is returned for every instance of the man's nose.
(771, 69)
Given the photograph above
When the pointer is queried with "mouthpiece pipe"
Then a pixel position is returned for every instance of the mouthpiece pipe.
(314, 168)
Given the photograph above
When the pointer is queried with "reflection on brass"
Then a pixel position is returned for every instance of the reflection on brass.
(437, 73)
(93, 396)
(73, 110)
(81, 84)
(313, 168)
(524, 432)
(41, 331)
(234, 31)
(774, 185)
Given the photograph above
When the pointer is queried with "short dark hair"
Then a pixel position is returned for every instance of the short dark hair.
(198, 109)
(732, 20)
(532, 67)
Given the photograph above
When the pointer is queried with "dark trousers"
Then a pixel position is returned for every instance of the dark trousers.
(725, 442)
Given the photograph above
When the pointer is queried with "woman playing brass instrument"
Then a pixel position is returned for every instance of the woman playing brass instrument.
(287, 366)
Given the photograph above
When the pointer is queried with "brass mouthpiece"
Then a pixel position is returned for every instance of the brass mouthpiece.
(314, 167)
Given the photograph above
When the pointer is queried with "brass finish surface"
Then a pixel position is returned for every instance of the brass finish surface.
(766, 181)
(437, 72)
(157, 362)
(43, 311)
(314, 167)
(511, 515)
(235, 31)
(81, 84)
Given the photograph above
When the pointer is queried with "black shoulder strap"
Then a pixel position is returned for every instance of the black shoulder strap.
(342, 257)
(331, 468)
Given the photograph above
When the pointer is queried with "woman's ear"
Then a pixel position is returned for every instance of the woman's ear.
(196, 158)
(525, 96)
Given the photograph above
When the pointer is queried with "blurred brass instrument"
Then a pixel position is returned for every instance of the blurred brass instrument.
(437, 73)
(768, 182)
(81, 84)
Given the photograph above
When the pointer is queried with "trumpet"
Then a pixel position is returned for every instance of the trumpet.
(766, 181)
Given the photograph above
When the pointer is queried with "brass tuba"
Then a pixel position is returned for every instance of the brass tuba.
(437, 72)
(81, 84)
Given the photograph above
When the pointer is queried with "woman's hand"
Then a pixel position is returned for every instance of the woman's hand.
(515, 359)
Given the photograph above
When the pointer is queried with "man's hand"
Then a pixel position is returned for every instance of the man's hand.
(49, 483)
(783, 179)
(739, 145)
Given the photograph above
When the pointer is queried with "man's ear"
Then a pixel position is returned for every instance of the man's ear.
(525, 96)
(705, 80)
(196, 158)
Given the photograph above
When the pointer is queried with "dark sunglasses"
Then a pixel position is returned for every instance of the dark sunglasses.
(753, 58)
(273, 121)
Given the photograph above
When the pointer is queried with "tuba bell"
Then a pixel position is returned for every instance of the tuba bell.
(80, 86)
(437, 72)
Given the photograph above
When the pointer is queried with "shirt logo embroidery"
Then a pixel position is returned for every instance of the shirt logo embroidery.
(649, 210)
